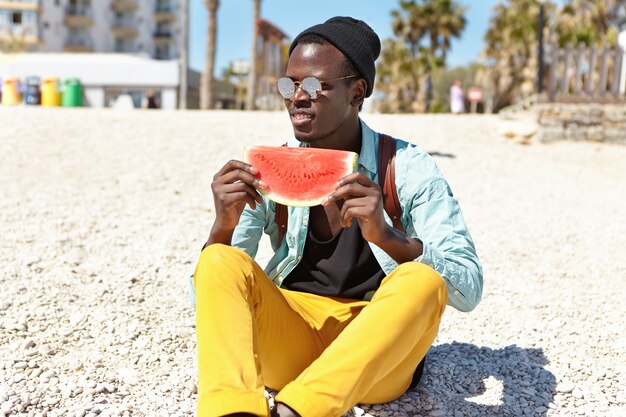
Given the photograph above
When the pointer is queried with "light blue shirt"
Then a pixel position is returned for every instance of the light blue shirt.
(431, 214)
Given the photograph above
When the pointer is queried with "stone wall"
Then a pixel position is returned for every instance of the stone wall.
(588, 122)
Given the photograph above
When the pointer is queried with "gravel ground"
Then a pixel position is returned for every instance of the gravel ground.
(103, 213)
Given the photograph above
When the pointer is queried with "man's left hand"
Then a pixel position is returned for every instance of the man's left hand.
(363, 201)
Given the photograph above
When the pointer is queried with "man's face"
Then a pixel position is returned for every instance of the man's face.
(313, 120)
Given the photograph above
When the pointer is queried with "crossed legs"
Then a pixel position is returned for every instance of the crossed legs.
(323, 354)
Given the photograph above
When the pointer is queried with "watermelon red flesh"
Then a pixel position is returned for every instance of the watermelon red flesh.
(300, 177)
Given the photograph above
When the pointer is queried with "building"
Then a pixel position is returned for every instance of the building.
(147, 27)
(272, 50)
(104, 77)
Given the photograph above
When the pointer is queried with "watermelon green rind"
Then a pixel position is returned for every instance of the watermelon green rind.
(299, 177)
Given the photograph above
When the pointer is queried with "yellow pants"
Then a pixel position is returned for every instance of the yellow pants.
(323, 354)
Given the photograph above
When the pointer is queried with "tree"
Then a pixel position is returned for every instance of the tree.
(591, 22)
(511, 40)
(254, 57)
(206, 86)
(397, 77)
(425, 29)
(511, 44)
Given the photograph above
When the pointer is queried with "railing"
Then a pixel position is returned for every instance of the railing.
(27, 3)
(18, 31)
(123, 23)
(78, 10)
(164, 7)
(125, 4)
(585, 73)
(75, 41)
(162, 34)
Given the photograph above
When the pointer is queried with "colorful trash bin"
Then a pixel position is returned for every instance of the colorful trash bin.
(11, 95)
(50, 94)
(72, 93)
(32, 95)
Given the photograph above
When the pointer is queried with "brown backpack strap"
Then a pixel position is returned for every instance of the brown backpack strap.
(280, 216)
(387, 179)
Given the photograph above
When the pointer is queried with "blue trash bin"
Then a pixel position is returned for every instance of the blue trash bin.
(32, 95)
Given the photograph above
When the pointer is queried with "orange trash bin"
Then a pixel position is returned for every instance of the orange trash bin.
(11, 95)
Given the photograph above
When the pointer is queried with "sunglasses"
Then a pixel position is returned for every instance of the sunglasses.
(287, 87)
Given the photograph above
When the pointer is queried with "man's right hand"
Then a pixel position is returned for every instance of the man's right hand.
(234, 186)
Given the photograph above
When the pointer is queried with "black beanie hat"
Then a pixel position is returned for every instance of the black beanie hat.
(355, 39)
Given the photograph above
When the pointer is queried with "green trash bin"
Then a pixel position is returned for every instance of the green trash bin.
(72, 93)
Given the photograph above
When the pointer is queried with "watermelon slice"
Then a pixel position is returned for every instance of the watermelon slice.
(300, 177)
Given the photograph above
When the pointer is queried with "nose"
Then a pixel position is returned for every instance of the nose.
(299, 95)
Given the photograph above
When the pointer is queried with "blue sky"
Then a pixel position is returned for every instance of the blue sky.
(235, 25)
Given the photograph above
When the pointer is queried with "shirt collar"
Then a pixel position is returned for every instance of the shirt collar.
(369, 146)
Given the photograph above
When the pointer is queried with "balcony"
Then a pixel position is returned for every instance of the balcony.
(78, 16)
(125, 5)
(124, 28)
(19, 36)
(18, 43)
(78, 44)
(164, 12)
(26, 5)
(162, 37)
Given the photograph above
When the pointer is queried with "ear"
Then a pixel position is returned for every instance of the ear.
(359, 88)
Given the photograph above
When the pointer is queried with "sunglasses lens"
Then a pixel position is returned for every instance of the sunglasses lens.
(286, 87)
(312, 86)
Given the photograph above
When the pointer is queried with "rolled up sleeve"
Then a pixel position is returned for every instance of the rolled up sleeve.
(448, 246)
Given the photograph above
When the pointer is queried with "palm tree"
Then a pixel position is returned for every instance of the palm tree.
(450, 24)
(409, 24)
(435, 21)
(397, 77)
(511, 44)
(252, 76)
(590, 22)
(206, 85)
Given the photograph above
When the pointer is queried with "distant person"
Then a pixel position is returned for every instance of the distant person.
(150, 101)
(457, 98)
(347, 308)
(621, 41)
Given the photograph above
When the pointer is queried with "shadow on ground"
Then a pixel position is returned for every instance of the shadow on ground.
(442, 155)
(462, 379)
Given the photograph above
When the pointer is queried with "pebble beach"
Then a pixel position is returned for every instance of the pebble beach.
(103, 214)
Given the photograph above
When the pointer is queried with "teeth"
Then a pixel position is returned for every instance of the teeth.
(302, 116)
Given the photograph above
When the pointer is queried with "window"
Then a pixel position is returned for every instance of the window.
(162, 52)
(17, 18)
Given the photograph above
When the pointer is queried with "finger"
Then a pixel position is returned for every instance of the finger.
(234, 164)
(356, 177)
(238, 197)
(238, 187)
(349, 191)
(244, 176)
(360, 208)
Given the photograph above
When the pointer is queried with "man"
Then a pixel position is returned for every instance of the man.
(308, 326)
